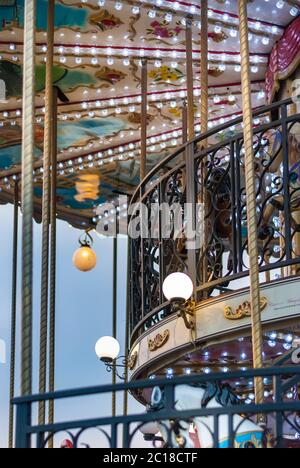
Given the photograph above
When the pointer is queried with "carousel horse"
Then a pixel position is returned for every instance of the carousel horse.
(176, 434)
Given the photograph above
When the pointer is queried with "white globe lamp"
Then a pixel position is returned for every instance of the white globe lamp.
(107, 349)
(178, 287)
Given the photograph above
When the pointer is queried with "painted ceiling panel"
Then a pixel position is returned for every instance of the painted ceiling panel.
(99, 45)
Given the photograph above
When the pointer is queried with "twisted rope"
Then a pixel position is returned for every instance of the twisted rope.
(46, 209)
(257, 338)
(27, 194)
(13, 318)
(52, 306)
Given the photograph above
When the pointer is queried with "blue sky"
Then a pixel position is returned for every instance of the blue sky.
(84, 305)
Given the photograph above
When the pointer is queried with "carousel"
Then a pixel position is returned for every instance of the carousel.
(176, 124)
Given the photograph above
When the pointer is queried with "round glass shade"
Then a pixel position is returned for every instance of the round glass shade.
(150, 428)
(107, 348)
(178, 286)
(85, 259)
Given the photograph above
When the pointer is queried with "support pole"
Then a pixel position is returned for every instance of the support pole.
(189, 77)
(13, 317)
(27, 194)
(204, 124)
(127, 344)
(114, 321)
(52, 302)
(144, 118)
(46, 209)
(257, 337)
(184, 122)
(204, 70)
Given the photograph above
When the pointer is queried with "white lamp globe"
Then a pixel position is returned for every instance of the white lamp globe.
(107, 348)
(149, 430)
(178, 286)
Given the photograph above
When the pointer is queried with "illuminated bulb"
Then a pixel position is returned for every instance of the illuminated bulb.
(168, 17)
(289, 338)
(135, 10)
(294, 11)
(287, 346)
(118, 6)
(152, 14)
(280, 4)
(84, 259)
(107, 348)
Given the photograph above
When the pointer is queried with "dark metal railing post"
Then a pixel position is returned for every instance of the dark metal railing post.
(23, 422)
(278, 414)
(286, 184)
(191, 202)
(162, 271)
(234, 227)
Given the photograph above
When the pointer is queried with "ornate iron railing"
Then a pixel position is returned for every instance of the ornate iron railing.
(280, 412)
(213, 178)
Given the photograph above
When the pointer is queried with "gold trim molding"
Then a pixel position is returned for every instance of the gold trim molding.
(159, 341)
(243, 310)
(132, 360)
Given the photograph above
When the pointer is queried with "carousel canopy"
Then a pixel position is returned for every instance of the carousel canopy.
(98, 49)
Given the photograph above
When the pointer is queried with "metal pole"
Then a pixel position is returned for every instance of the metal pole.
(204, 70)
(144, 118)
(52, 305)
(189, 77)
(27, 194)
(257, 337)
(13, 317)
(204, 124)
(127, 337)
(46, 209)
(114, 321)
(184, 122)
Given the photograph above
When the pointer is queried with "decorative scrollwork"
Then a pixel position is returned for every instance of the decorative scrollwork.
(159, 341)
(244, 310)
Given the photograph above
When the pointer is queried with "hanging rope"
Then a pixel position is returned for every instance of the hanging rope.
(27, 194)
(46, 209)
(13, 317)
(257, 337)
(52, 305)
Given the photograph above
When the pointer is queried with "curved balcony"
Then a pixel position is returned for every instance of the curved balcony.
(204, 180)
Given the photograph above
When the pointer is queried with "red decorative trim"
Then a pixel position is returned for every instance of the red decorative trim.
(284, 58)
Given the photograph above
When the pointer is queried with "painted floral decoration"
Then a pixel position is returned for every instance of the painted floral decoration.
(166, 73)
(105, 20)
(110, 75)
(163, 30)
